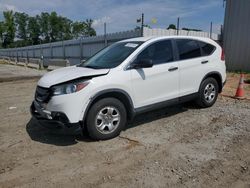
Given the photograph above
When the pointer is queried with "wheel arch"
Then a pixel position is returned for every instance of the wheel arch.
(217, 76)
(119, 94)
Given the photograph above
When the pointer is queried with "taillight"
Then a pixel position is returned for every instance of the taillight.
(222, 55)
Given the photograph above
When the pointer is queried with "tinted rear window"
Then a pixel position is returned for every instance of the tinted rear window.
(188, 49)
(207, 49)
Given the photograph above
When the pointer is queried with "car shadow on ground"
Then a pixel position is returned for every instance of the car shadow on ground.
(158, 114)
(44, 135)
(41, 134)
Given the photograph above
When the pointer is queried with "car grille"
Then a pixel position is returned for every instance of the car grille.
(42, 94)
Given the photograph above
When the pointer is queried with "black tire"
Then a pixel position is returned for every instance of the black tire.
(100, 107)
(203, 100)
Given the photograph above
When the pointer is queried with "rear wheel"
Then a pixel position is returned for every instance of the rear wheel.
(208, 93)
(106, 119)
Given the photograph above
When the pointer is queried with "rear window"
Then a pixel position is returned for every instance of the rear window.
(207, 49)
(188, 49)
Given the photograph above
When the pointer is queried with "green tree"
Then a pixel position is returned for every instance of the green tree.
(53, 26)
(44, 25)
(34, 30)
(137, 27)
(64, 28)
(171, 26)
(2, 29)
(90, 31)
(10, 29)
(146, 25)
(59, 27)
(21, 21)
(78, 29)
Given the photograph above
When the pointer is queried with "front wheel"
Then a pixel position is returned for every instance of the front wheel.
(208, 93)
(106, 119)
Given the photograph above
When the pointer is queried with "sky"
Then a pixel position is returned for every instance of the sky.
(121, 15)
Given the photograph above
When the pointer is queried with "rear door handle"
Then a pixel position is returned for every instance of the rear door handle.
(204, 62)
(172, 69)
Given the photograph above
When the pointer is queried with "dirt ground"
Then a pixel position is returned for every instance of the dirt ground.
(180, 146)
(13, 72)
(233, 82)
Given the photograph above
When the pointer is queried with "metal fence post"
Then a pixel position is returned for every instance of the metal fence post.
(63, 48)
(33, 51)
(178, 25)
(41, 49)
(81, 49)
(16, 54)
(27, 55)
(105, 35)
(51, 51)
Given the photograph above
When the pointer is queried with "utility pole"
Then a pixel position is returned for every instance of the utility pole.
(223, 3)
(211, 29)
(105, 34)
(142, 24)
(178, 25)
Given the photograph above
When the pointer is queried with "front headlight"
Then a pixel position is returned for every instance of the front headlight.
(69, 88)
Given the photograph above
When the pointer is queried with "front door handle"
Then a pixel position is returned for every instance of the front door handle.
(204, 62)
(172, 69)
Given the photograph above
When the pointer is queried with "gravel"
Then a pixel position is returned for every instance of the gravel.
(180, 146)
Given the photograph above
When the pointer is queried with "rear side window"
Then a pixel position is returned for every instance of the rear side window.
(207, 49)
(188, 49)
(159, 52)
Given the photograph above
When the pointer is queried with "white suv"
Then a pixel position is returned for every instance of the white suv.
(127, 78)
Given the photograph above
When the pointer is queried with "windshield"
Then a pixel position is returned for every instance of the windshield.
(111, 56)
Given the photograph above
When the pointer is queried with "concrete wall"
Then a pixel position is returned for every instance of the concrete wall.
(237, 34)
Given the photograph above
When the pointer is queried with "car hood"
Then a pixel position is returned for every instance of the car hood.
(68, 73)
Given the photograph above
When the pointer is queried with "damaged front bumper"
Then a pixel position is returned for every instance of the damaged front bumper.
(53, 120)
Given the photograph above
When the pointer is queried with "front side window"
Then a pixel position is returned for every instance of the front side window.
(159, 52)
(188, 49)
(111, 56)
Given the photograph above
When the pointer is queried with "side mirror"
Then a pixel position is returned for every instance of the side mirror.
(144, 63)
